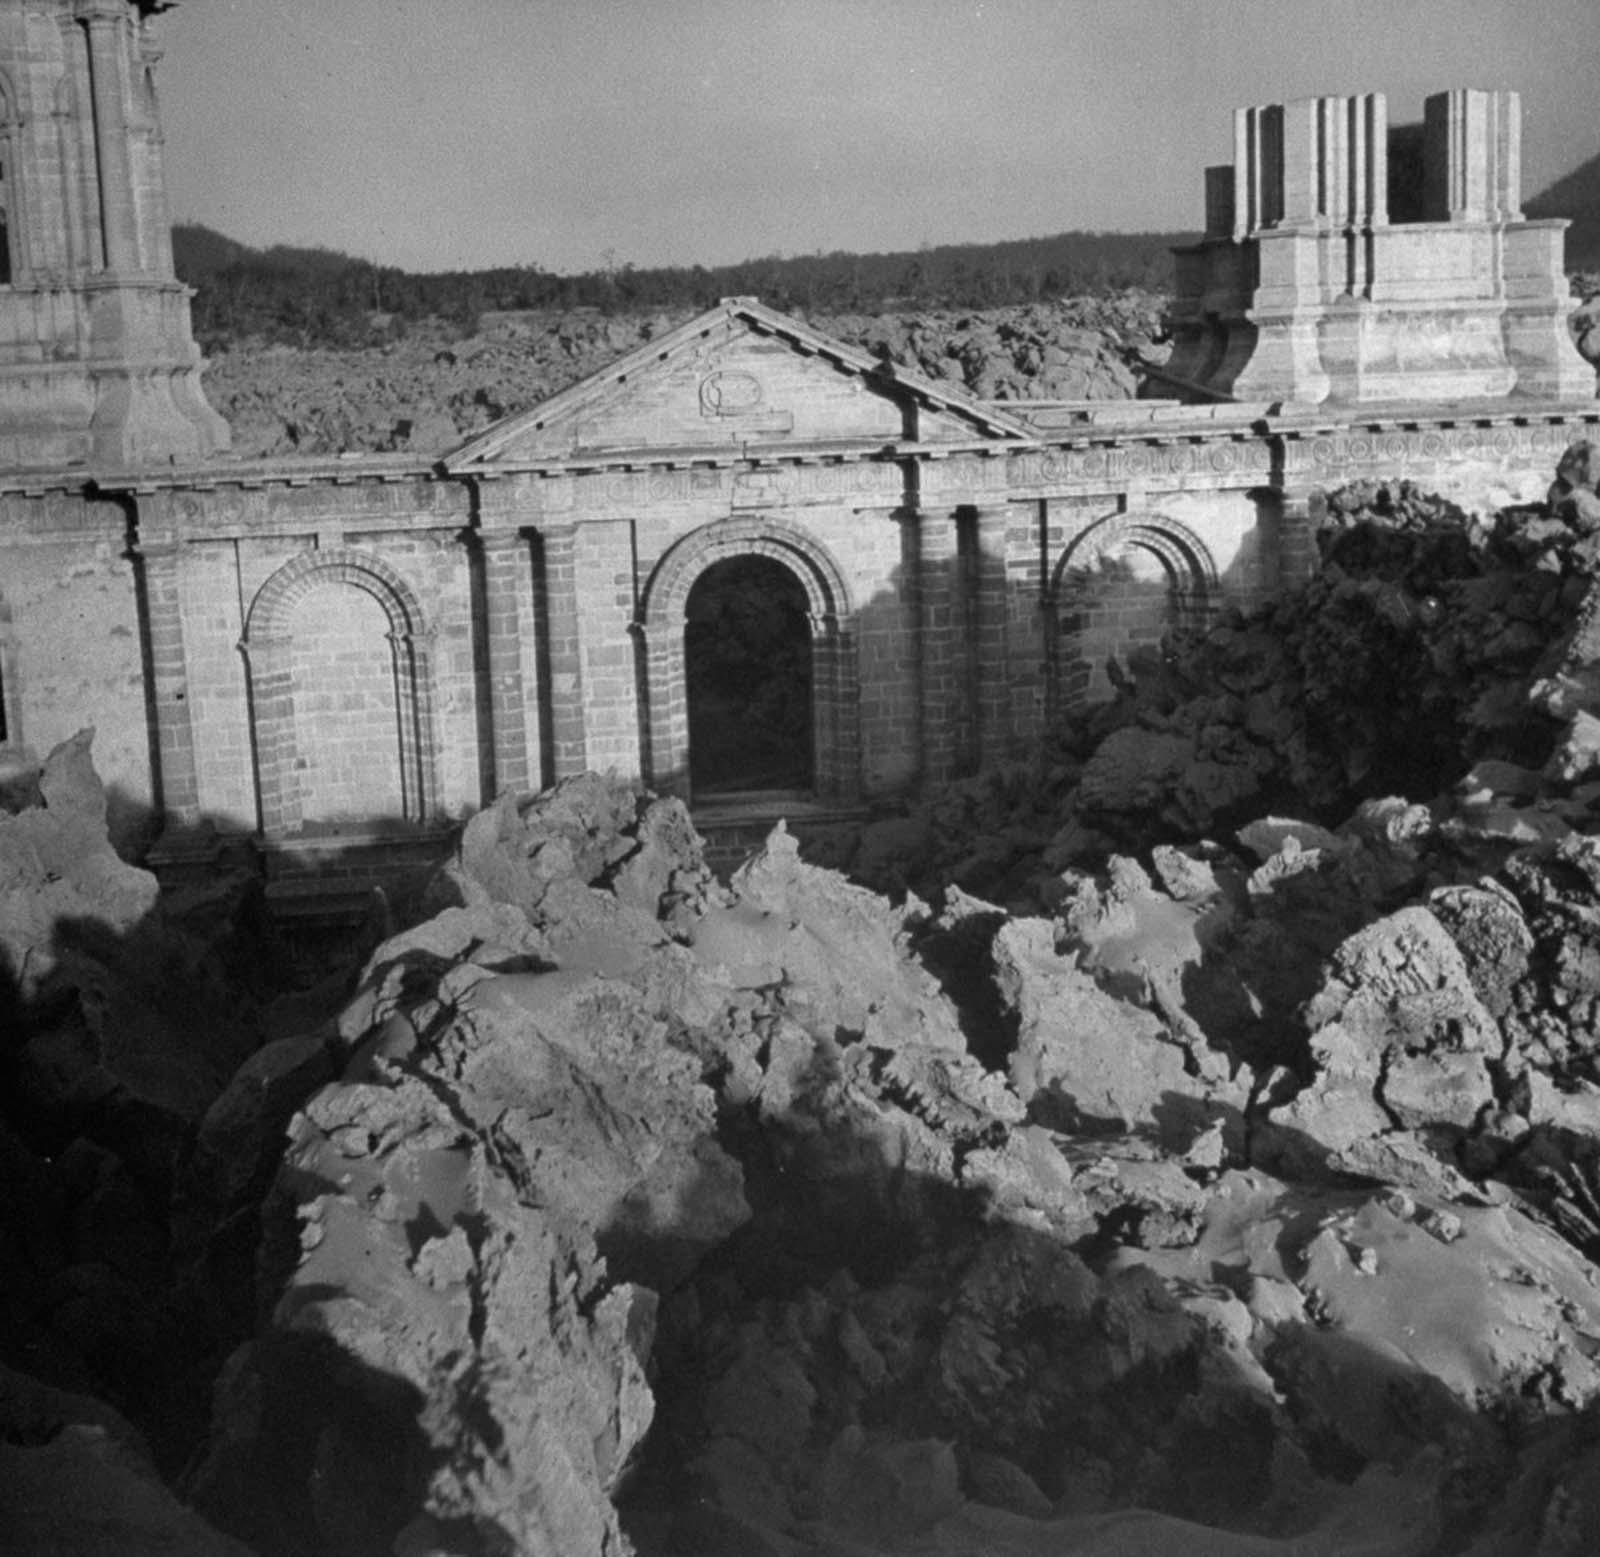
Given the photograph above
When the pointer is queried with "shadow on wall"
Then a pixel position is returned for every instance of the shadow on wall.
(967, 663)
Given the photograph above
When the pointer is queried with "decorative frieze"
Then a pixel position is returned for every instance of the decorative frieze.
(1334, 455)
(627, 491)
(375, 504)
(1140, 461)
(636, 491)
(870, 481)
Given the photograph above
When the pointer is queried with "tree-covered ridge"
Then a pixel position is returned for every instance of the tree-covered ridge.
(318, 297)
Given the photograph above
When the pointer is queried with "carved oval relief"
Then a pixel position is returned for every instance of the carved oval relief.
(729, 393)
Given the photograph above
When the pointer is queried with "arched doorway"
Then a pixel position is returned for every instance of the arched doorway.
(826, 613)
(748, 675)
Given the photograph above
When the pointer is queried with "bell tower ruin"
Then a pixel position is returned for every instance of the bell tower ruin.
(98, 363)
(1350, 261)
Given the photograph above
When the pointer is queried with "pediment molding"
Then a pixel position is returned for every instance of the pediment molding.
(729, 412)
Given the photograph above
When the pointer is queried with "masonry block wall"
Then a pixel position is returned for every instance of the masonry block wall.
(351, 651)
(881, 562)
(72, 644)
(347, 711)
(326, 657)
(348, 649)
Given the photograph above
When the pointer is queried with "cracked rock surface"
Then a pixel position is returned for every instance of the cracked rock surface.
(655, 1215)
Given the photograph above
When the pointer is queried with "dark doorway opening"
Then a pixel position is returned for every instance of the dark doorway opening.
(747, 665)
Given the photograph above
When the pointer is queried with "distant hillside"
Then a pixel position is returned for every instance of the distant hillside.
(316, 297)
(1577, 197)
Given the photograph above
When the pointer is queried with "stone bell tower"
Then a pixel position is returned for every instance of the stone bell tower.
(98, 363)
(1350, 261)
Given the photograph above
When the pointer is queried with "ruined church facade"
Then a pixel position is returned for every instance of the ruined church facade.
(332, 661)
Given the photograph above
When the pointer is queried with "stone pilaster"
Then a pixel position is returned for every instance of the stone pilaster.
(507, 582)
(1310, 163)
(271, 666)
(938, 630)
(508, 587)
(564, 647)
(843, 777)
(1473, 156)
(177, 778)
(607, 606)
(987, 641)
(1299, 514)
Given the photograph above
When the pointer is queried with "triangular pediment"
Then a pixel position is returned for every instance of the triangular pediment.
(737, 378)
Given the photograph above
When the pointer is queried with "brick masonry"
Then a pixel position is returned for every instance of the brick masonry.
(318, 651)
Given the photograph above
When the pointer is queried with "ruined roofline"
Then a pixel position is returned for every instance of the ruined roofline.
(1451, 295)
(1340, 161)
(489, 446)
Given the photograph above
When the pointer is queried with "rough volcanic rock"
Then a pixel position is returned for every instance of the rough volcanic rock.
(58, 872)
(106, 1000)
(1398, 1037)
(616, 1149)
(444, 1356)
(434, 389)
(523, 1136)
(1085, 1060)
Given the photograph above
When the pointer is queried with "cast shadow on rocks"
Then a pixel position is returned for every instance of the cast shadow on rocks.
(128, 1207)
(881, 1354)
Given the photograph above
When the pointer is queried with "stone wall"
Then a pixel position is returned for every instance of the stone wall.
(346, 654)
(72, 643)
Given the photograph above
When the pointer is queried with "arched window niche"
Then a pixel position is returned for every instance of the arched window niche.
(1121, 585)
(339, 662)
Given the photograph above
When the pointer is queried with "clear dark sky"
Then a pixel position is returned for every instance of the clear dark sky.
(436, 134)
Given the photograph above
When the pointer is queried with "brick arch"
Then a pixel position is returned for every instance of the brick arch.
(268, 645)
(1089, 626)
(835, 669)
